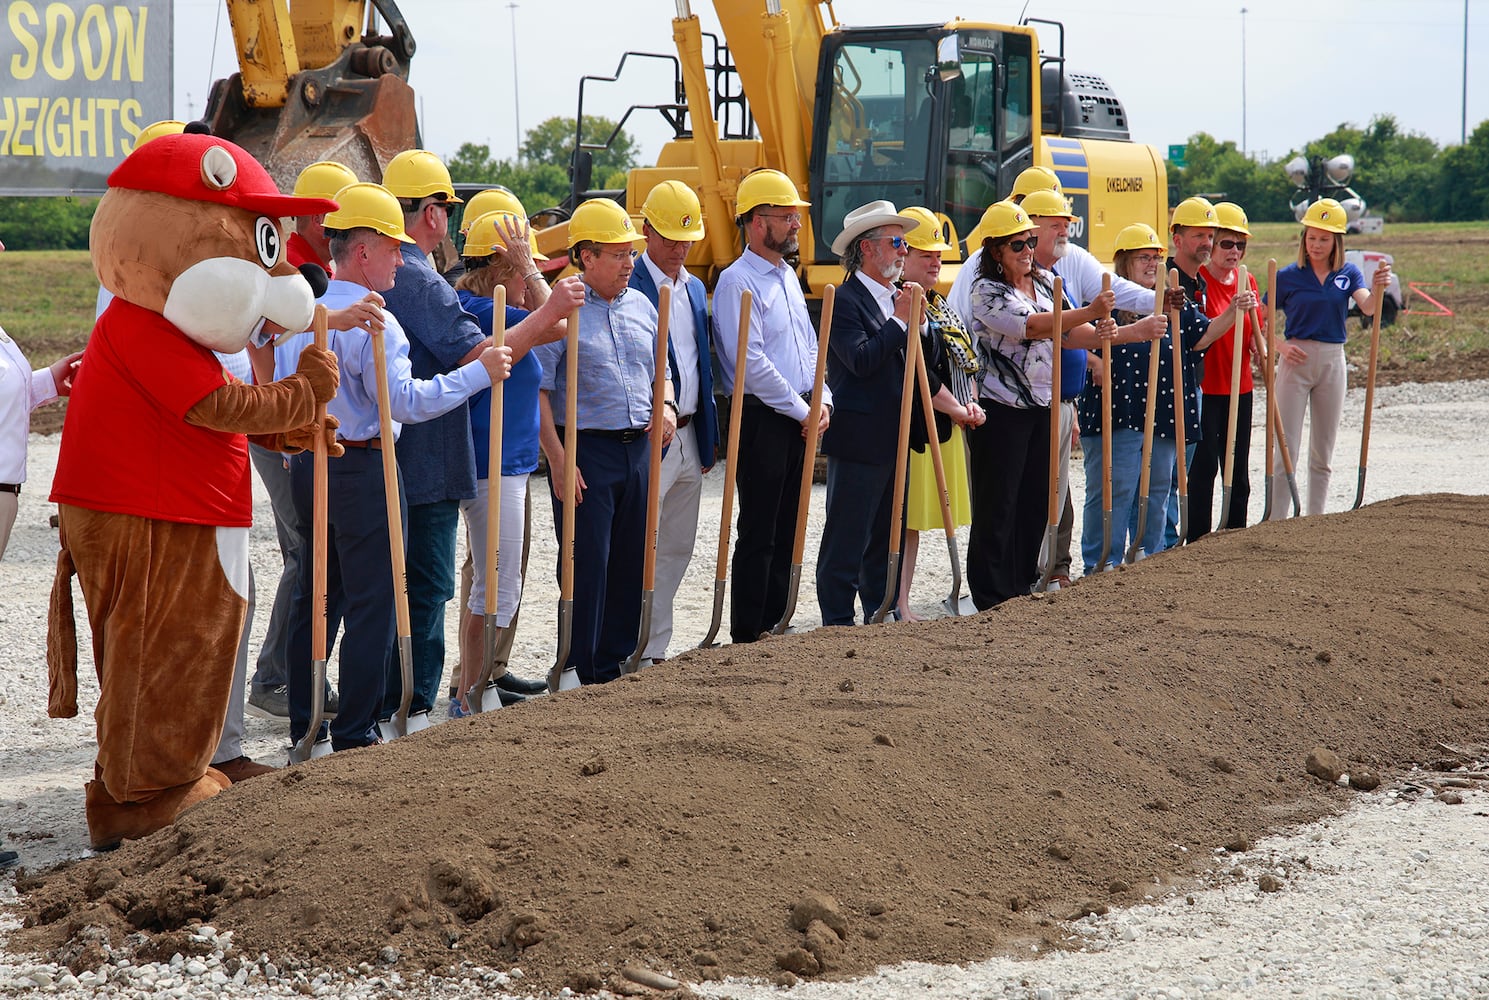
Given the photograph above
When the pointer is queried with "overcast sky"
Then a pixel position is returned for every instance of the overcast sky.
(1175, 64)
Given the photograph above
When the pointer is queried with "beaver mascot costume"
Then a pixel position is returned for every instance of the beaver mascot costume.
(152, 475)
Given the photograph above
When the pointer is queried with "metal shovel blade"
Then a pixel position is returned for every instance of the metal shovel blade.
(1142, 529)
(633, 662)
(953, 602)
(793, 586)
(565, 641)
(1106, 541)
(718, 616)
(406, 672)
(1225, 497)
(964, 605)
(475, 697)
(891, 578)
(1183, 519)
(304, 750)
(1050, 534)
(1267, 500)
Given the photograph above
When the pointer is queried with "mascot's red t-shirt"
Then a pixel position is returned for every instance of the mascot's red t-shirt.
(140, 372)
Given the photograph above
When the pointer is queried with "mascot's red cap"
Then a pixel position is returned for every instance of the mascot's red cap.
(205, 168)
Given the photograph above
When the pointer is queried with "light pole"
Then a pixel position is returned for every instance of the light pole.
(1464, 139)
(516, 100)
(1243, 80)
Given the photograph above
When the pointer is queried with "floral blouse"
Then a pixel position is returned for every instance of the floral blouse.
(961, 364)
(1016, 370)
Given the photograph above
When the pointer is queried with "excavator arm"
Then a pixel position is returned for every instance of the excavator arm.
(314, 84)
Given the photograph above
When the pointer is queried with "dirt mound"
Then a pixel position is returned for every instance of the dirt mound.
(829, 802)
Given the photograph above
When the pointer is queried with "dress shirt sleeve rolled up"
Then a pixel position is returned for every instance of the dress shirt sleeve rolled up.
(763, 379)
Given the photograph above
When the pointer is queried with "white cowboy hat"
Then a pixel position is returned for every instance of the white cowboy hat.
(870, 216)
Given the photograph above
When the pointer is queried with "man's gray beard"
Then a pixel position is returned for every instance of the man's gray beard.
(1060, 248)
(782, 247)
(891, 272)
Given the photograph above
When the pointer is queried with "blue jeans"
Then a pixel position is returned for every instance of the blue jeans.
(430, 571)
(1127, 467)
(1171, 520)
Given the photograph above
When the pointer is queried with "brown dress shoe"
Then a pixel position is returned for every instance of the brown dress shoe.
(242, 768)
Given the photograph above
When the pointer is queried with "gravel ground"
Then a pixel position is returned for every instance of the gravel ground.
(1382, 901)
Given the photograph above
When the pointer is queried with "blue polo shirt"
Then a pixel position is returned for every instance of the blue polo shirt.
(436, 456)
(1317, 310)
(519, 401)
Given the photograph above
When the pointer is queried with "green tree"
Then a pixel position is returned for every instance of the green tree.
(536, 185)
(552, 142)
(46, 223)
(1462, 185)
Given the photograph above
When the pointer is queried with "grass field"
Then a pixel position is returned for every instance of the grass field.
(47, 298)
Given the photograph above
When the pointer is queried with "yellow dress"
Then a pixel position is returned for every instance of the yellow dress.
(922, 499)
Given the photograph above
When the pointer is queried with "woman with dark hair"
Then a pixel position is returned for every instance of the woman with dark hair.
(1009, 454)
(1315, 294)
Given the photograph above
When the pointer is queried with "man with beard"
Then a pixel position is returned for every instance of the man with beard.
(1192, 236)
(866, 370)
(772, 405)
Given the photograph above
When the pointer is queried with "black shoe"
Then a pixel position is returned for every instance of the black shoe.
(506, 697)
(9, 859)
(333, 704)
(512, 684)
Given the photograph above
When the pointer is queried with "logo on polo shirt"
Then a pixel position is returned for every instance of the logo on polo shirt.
(1341, 282)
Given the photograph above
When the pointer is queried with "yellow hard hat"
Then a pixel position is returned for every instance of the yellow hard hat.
(1001, 219)
(418, 173)
(602, 221)
(1233, 217)
(1195, 212)
(155, 130)
(1326, 214)
(672, 209)
(929, 234)
(766, 187)
(323, 179)
(1033, 179)
(1139, 236)
(371, 206)
(490, 200)
(485, 234)
(979, 231)
(1047, 203)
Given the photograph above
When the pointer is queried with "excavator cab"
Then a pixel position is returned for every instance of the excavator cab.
(920, 115)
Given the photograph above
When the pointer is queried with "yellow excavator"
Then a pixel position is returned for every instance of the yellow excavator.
(939, 115)
(318, 81)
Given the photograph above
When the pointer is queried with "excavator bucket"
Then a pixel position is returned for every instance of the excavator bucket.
(332, 113)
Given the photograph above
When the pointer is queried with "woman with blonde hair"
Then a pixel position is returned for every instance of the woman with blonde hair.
(1315, 294)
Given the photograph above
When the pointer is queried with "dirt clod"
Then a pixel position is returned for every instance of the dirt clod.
(1324, 764)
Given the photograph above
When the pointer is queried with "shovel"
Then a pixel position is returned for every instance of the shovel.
(309, 745)
(490, 631)
(902, 460)
(1106, 444)
(953, 602)
(1268, 368)
(400, 724)
(731, 462)
(1052, 529)
(809, 463)
(1369, 398)
(1150, 417)
(561, 676)
(1183, 466)
(1238, 335)
(653, 482)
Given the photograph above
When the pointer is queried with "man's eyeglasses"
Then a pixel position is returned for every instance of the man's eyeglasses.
(789, 218)
(1017, 246)
(1233, 245)
(619, 254)
(898, 242)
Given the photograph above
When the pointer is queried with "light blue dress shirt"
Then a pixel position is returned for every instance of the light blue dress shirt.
(617, 362)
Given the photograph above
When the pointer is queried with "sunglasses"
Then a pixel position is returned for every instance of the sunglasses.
(1017, 246)
(1233, 245)
(898, 242)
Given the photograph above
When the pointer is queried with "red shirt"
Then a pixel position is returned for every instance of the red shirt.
(1221, 354)
(299, 251)
(126, 446)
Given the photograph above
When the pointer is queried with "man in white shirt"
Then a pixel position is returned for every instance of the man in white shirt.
(772, 405)
(673, 224)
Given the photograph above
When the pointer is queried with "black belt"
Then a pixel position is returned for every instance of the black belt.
(751, 399)
(624, 437)
(10, 487)
(374, 443)
(684, 420)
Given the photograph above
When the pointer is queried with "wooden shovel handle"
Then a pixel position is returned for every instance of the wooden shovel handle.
(731, 456)
(658, 419)
(320, 509)
(390, 486)
(814, 421)
(494, 456)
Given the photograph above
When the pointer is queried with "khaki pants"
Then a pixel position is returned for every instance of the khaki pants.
(1315, 386)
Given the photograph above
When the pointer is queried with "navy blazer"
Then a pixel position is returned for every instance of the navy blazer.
(866, 370)
(705, 422)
